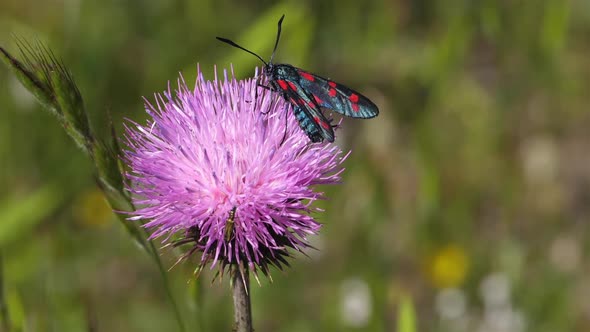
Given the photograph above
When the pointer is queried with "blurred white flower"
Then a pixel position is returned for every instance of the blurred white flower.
(499, 314)
(356, 303)
(450, 303)
(495, 290)
(539, 157)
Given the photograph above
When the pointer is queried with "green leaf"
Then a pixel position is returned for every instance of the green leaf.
(16, 310)
(260, 37)
(406, 316)
(18, 215)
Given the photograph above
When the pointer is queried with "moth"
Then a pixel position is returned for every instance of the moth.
(310, 93)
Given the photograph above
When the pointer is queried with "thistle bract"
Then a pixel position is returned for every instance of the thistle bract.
(229, 170)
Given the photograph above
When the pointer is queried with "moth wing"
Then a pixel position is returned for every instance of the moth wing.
(335, 96)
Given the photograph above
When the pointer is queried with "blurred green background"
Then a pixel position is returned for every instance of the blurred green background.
(463, 207)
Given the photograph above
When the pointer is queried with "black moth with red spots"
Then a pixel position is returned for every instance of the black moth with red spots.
(309, 93)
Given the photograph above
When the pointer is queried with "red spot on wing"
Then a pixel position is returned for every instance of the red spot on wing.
(355, 107)
(282, 84)
(307, 76)
(332, 92)
(292, 85)
(318, 100)
(332, 84)
(354, 98)
(321, 123)
(311, 104)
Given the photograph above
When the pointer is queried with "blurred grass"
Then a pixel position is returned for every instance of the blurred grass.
(481, 146)
(20, 215)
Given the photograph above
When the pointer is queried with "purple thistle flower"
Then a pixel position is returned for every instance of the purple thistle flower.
(215, 165)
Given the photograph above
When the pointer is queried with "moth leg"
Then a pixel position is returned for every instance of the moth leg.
(330, 120)
(264, 87)
(337, 125)
(261, 86)
(285, 134)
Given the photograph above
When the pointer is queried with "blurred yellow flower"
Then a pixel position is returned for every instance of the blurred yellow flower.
(91, 209)
(448, 266)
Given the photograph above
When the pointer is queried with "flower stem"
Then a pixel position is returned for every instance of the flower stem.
(241, 294)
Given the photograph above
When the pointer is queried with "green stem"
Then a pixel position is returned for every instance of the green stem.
(241, 295)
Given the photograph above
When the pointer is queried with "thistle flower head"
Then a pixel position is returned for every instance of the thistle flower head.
(230, 170)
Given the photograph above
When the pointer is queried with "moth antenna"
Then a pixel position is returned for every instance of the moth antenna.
(278, 37)
(227, 41)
